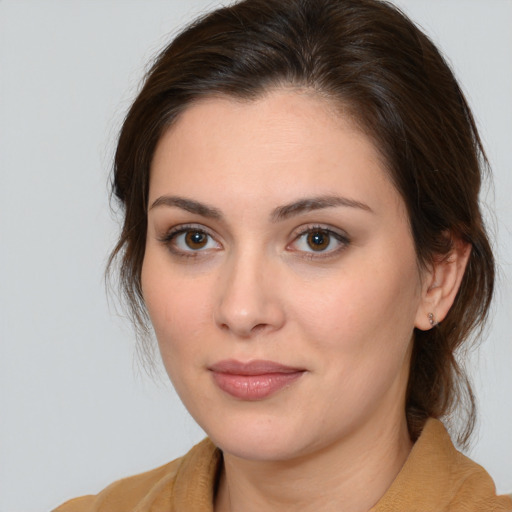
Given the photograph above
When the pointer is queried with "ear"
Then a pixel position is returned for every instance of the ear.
(441, 283)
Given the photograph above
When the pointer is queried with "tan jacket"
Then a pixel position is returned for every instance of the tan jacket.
(435, 478)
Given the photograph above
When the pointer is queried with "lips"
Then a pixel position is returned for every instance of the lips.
(254, 380)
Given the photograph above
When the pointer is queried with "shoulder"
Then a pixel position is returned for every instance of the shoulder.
(137, 491)
(436, 476)
(124, 494)
(472, 485)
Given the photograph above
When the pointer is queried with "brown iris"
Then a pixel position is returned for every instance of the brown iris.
(318, 240)
(196, 240)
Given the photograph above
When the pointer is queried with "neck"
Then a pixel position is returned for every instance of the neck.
(350, 476)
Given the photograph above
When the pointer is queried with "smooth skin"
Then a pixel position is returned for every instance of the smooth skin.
(274, 233)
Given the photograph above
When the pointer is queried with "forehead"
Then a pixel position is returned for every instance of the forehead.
(287, 142)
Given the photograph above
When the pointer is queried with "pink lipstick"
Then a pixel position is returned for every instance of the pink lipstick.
(254, 380)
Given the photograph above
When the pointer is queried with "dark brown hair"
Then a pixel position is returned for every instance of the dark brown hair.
(368, 57)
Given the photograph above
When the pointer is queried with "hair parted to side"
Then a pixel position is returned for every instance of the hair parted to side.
(370, 59)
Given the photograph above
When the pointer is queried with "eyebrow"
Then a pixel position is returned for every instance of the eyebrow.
(315, 203)
(189, 205)
(279, 214)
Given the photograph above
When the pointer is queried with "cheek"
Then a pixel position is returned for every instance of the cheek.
(179, 309)
(367, 313)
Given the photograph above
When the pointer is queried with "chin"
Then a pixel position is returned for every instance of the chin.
(260, 437)
(259, 448)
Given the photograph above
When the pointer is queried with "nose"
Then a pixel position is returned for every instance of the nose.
(248, 301)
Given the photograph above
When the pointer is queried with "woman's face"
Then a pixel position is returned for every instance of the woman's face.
(280, 276)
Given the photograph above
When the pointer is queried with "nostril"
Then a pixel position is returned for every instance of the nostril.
(250, 331)
(259, 328)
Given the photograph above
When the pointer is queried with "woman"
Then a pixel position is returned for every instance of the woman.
(300, 182)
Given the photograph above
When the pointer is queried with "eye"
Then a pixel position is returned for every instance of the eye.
(187, 240)
(319, 240)
(194, 240)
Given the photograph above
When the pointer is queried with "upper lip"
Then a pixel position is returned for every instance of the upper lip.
(255, 367)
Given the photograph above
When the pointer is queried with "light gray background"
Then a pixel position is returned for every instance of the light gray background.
(76, 412)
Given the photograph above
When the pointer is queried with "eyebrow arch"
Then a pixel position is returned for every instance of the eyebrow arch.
(189, 205)
(315, 203)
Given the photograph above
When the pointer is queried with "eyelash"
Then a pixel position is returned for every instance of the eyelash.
(341, 238)
(169, 240)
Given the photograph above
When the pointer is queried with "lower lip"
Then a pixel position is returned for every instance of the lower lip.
(254, 387)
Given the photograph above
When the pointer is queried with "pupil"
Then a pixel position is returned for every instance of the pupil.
(318, 240)
(195, 239)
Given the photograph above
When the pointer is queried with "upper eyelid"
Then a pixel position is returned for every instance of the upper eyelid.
(323, 227)
(294, 232)
(182, 228)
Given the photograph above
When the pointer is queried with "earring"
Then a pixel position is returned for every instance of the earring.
(432, 319)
